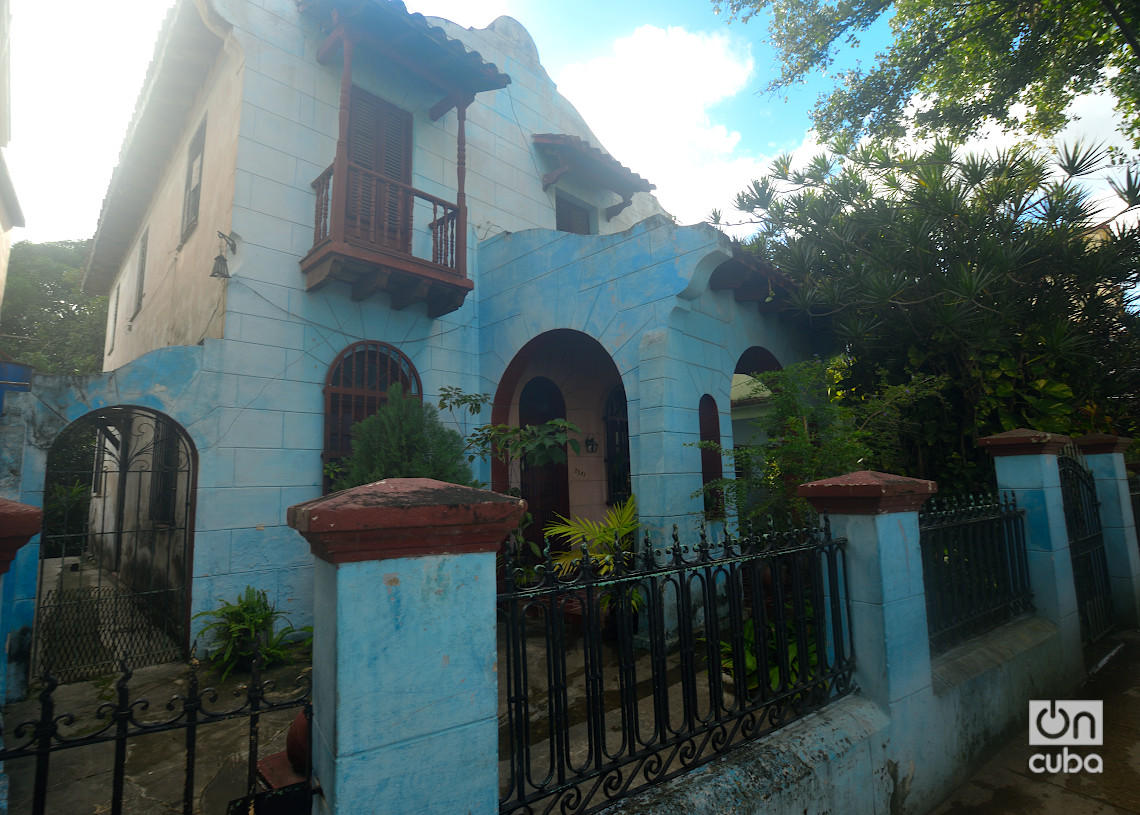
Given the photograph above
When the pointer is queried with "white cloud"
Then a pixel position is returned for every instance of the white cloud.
(649, 104)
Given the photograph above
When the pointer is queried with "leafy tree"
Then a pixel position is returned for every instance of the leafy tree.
(404, 439)
(47, 321)
(965, 62)
(814, 429)
(988, 271)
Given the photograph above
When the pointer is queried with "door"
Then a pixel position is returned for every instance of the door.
(379, 213)
(545, 488)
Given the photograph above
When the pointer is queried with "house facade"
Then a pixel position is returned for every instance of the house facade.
(319, 198)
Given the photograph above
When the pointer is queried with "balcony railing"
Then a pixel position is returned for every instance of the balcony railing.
(385, 216)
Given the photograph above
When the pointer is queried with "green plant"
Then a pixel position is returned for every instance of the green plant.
(403, 439)
(608, 543)
(537, 444)
(241, 629)
(797, 670)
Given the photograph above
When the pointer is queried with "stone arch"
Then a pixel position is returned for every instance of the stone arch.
(585, 375)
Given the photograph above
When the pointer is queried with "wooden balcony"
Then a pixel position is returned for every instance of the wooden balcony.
(384, 236)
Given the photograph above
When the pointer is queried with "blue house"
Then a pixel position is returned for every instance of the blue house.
(317, 199)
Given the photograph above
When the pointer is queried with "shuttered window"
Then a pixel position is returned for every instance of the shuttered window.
(571, 216)
(193, 194)
(379, 148)
(140, 274)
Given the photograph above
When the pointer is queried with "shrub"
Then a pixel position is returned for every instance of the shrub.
(404, 439)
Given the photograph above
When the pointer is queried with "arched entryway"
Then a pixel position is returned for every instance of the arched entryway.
(115, 552)
(566, 374)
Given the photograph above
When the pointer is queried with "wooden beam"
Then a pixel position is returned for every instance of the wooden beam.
(331, 45)
(616, 209)
(553, 176)
(415, 291)
(369, 283)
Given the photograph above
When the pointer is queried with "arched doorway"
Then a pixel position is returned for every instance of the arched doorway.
(567, 374)
(115, 552)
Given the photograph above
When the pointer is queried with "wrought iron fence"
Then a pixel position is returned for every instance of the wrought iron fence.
(974, 566)
(117, 722)
(629, 671)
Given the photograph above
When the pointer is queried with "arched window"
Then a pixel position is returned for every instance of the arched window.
(711, 469)
(616, 419)
(357, 386)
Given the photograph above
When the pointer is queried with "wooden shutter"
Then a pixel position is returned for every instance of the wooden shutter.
(569, 217)
(379, 142)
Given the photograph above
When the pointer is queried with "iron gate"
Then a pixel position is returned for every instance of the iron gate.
(1086, 547)
(118, 515)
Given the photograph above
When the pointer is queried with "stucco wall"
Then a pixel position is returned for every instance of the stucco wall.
(246, 471)
(643, 295)
(182, 304)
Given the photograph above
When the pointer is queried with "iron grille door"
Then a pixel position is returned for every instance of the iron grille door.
(1086, 547)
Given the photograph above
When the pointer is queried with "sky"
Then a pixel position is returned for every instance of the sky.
(669, 88)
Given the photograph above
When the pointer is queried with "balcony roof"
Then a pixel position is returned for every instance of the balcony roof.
(386, 27)
(600, 167)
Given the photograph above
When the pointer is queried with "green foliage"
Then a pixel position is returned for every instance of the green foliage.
(966, 64)
(237, 626)
(609, 543)
(774, 649)
(404, 439)
(980, 272)
(47, 321)
(538, 445)
(813, 429)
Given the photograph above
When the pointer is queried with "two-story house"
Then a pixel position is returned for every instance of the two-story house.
(317, 199)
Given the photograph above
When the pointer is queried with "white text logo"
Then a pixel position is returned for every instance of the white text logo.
(1065, 724)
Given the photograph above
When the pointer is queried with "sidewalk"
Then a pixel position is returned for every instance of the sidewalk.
(1005, 785)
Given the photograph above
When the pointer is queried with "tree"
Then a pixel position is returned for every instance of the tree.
(963, 62)
(404, 439)
(48, 322)
(988, 271)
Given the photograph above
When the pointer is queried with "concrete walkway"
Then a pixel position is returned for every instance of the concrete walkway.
(1006, 786)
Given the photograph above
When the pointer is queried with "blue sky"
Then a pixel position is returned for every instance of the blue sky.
(667, 86)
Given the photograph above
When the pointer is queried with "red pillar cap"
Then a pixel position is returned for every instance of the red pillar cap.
(1096, 443)
(18, 522)
(867, 493)
(405, 517)
(1024, 442)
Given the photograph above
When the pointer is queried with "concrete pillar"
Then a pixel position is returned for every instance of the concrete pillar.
(1026, 465)
(18, 523)
(878, 514)
(405, 694)
(1104, 455)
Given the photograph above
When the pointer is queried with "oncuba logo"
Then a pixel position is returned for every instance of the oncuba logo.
(1065, 724)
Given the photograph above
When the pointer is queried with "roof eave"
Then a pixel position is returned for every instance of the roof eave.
(184, 55)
